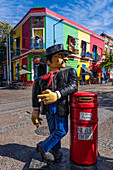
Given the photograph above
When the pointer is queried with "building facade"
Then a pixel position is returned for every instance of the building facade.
(108, 46)
(41, 28)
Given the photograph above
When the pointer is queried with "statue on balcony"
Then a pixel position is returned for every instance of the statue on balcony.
(50, 93)
(37, 42)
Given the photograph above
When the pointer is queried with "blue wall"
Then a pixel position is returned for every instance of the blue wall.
(49, 32)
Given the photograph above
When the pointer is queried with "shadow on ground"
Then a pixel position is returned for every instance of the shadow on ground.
(31, 158)
(19, 152)
(65, 164)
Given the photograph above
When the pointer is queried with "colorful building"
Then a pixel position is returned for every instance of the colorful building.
(41, 28)
(108, 46)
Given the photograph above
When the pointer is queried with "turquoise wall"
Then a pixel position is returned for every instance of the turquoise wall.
(49, 32)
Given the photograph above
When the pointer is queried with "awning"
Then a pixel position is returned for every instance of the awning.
(22, 72)
(86, 71)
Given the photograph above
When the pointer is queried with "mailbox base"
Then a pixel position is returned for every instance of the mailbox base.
(83, 148)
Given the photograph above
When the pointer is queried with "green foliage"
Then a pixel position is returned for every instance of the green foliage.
(38, 6)
(107, 62)
(5, 28)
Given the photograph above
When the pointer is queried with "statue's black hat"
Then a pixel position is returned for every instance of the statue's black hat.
(53, 50)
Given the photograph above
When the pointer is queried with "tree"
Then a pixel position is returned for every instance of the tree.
(107, 63)
(5, 28)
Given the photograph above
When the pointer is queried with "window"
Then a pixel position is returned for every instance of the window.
(18, 46)
(37, 22)
(72, 44)
(83, 48)
(38, 41)
(94, 52)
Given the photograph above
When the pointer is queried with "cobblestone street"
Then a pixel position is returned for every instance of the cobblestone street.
(18, 137)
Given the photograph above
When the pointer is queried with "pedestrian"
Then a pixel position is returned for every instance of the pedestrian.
(101, 79)
(106, 78)
(53, 90)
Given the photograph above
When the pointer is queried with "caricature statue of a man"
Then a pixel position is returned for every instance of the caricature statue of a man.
(53, 90)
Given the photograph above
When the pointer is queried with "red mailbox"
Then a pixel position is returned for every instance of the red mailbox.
(84, 128)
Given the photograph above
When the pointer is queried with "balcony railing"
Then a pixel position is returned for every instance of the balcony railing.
(15, 52)
(76, 51)
(97, 57)
(86, 54)
(37, 46)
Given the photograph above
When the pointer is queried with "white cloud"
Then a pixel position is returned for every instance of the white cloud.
(13, 11)
(96, 15)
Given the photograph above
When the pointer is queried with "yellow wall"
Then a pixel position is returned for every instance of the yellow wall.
(14, 66)
(85, 37)
(17, 34)
(79, 69)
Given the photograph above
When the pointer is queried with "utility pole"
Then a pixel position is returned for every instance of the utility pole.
(9, 77)
(7, 60)
(10, 59)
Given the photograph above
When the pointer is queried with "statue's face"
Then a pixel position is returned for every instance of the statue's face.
(58, 60)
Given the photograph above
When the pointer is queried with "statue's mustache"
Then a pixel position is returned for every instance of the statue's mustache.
(63, 61)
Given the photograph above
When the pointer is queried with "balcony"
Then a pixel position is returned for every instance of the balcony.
(76, 51)
(97, 57)
(15, 52)
(86, 55)
(37, 46)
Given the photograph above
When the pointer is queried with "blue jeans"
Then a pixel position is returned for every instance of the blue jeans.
(58, 127)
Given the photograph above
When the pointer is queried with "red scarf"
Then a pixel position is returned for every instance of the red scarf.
(50, 76)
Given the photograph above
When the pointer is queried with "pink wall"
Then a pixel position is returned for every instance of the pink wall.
(26, 34)
(97, 42)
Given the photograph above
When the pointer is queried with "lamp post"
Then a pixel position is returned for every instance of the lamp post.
(10, 59)
(8, 45)
(54, 41)
(7, 60)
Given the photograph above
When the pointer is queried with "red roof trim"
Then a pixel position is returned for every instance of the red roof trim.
(42, 10)
(32, 10)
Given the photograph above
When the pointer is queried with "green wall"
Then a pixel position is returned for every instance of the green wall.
(73, 63)
(29, 57)
(68, 30)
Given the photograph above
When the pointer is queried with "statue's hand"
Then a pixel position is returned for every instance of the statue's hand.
(48, 97)
(35, 118)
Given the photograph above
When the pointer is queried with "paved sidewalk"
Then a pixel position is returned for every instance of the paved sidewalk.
(18, 137)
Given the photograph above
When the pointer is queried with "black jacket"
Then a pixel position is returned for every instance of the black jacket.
(65, 81)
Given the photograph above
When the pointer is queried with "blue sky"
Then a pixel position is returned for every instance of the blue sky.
(96, 15)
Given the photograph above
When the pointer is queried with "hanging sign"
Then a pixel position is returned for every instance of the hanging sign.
(36, 60)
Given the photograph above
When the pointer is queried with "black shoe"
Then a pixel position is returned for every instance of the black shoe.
(47, 156)
(57, 154)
